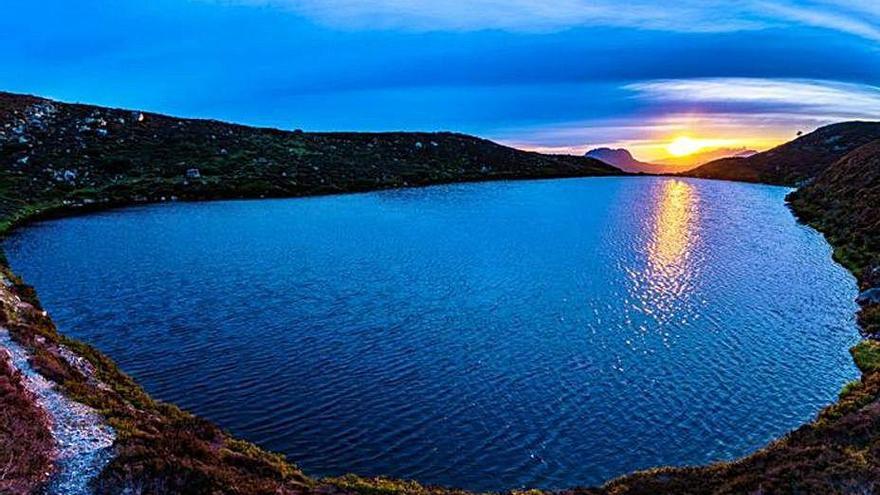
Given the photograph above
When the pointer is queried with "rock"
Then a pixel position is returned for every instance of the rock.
(871, 275)
(870, 296)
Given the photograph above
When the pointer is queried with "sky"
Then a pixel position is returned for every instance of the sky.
(558, 76)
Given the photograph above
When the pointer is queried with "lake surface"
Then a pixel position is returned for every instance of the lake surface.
(488, 336)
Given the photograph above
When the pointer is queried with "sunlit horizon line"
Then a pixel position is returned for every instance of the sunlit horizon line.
(641, 149)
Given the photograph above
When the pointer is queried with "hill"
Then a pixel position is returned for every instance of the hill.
(844, 203)
(796, 161)
(57, 155)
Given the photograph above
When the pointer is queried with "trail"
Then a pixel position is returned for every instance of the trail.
(83, 440)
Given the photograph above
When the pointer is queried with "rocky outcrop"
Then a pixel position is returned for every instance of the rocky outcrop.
(622, 159)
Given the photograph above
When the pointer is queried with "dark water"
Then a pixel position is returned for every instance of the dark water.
(490, 336)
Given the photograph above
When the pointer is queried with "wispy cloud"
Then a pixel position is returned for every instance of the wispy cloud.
(856, 17)
(831, 99)
(834, 15)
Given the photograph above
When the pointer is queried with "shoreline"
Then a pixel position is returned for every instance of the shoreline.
(358, 484)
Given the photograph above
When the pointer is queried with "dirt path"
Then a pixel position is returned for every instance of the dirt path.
(83, 440)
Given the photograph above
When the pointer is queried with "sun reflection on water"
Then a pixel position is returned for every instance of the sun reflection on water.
(670, 267)
(672, 234)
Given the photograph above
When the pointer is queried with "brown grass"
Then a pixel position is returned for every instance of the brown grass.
(26, 446)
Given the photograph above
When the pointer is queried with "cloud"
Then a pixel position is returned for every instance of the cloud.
(830, 99)
(834, 17)
(856, 17)
(647, 136)
(517, 15)
(752, 112)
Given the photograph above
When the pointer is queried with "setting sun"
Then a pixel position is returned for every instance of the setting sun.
(683, 145)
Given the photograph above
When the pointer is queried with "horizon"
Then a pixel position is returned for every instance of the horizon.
(561, 78)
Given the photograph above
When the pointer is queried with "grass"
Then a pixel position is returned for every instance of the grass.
(26, 445)
(849, 389)
(867, 356)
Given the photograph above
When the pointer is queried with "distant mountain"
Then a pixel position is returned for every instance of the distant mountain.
(697, 159)
(623, 159)
(796, 161)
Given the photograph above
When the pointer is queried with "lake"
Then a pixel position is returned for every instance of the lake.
(487, 336)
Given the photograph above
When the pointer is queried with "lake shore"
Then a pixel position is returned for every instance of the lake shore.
(160, 448)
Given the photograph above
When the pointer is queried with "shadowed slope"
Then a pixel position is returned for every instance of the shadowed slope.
(26, 446)
(56, 154)
(796, 161)
(844, 202)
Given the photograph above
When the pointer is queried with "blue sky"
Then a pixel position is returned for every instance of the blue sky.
(559, 76)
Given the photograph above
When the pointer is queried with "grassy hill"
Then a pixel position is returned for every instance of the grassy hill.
(58, 155)
(844, 203)
(794, 162)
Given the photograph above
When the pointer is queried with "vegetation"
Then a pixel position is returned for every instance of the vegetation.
(61, 157)
(796, 162)
(842, 202)
(57, 158)
(867, 356)
(26, 448)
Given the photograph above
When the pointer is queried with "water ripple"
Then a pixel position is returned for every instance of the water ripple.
(490, 336)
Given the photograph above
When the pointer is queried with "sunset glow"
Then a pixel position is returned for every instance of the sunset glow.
(683, 145)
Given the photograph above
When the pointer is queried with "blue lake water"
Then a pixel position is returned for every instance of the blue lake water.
(488, 336)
